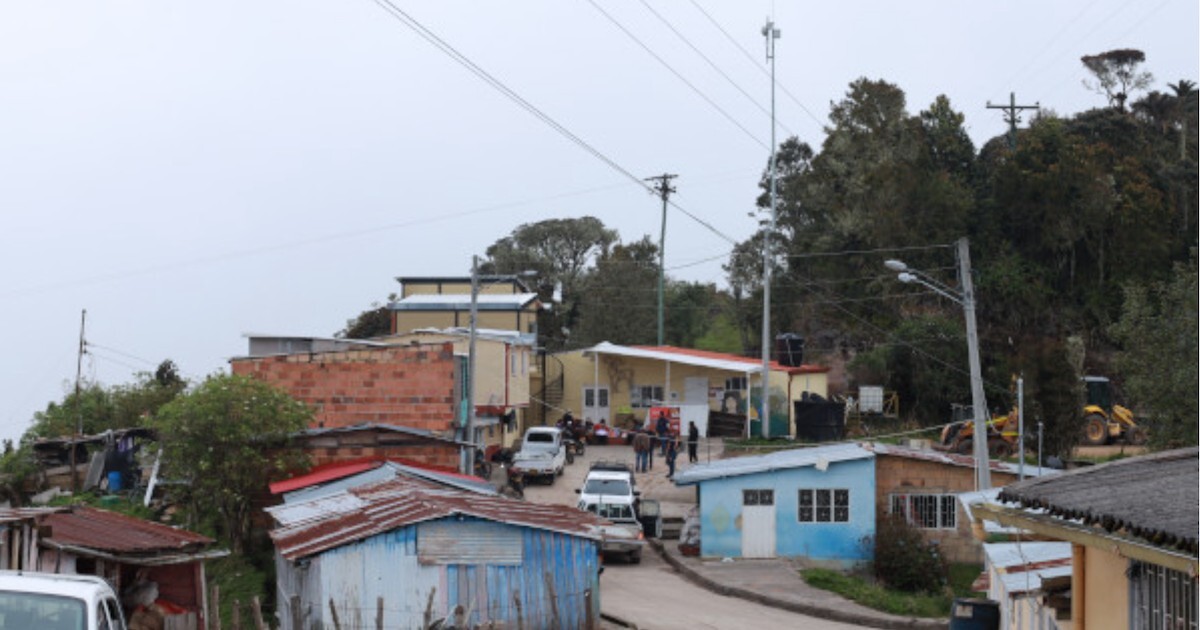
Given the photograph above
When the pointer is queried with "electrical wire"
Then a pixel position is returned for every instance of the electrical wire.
(124, 354)
(755, 63)
(678, 75)
(711, 64)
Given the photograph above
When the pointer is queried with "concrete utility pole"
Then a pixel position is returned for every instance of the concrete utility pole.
(78, 400)
(664, 190)
(1012, 116)
(469, 430)
(771, 33)
(983, 477)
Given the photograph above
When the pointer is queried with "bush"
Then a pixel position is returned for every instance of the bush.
(904, 560)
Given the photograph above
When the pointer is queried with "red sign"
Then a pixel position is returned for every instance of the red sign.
(672, 418)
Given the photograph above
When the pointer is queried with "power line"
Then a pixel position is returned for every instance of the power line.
(679, 76)
(753, 61)
(710, 63)
(878, 250)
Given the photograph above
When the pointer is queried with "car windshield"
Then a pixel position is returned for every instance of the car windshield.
(618, 487)
(35, 610)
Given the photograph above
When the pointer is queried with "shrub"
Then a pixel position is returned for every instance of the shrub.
(904, 560)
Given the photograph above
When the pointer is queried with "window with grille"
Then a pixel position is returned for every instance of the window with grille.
(824, 505)
(737, 383)
(645, 395)
(1163, 599)
(927, 511)
(758, 497)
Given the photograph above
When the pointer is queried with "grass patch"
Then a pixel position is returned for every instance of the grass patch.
(878, 597)
(239, 581)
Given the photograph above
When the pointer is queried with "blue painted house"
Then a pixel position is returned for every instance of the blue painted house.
(815, 503)
(405, 552)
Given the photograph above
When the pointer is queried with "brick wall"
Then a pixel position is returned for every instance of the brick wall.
(411, 386)
(905, 475)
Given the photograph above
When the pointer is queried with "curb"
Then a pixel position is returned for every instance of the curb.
(613, 619)
(796, 607)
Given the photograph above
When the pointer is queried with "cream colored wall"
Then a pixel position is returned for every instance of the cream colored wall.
(619, 373)
(455, 288)
(407, 321)
(1106, 590)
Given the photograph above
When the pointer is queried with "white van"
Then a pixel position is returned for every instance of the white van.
(51, 601)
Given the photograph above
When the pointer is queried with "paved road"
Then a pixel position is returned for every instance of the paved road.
(651, 594)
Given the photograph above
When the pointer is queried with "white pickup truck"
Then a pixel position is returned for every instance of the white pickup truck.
(542, 454)
(610, 491)
(46, 600)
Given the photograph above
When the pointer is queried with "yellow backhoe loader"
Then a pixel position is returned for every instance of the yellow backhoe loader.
(1104, 422)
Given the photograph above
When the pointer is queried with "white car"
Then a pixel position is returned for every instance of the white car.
(610, 483)
(60, 602)
(542, 454)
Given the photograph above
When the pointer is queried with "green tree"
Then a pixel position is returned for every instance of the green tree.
(99, 408)
(373, 322)
(618, 301)
(1158, 331)
(562, 252)
(226, 439)
(1116, 74)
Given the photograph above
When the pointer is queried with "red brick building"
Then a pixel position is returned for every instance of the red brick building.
(410, 386)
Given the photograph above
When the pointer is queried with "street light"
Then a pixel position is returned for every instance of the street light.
(468, 457)
(966, 298)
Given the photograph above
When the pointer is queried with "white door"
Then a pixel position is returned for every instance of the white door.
(758, 523)
(595, 404)
(695, 390)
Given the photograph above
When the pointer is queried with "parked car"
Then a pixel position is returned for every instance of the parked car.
(58, 602)
(610, 487)
(622, 533)
(542, 454)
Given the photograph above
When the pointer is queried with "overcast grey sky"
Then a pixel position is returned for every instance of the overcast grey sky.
(189, 172)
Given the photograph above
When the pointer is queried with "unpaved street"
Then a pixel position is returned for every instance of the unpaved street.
(651, 594)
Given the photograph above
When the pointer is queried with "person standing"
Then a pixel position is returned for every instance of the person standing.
(672, 452)
(641, 451)
(693, 442)
(663, 429)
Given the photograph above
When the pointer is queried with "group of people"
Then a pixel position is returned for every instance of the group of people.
(666, 442)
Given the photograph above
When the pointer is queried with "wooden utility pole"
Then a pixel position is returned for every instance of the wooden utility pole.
(664, 191)
(1012, 116)
(78, 402)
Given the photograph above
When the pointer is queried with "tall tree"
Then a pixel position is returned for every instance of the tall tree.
(618, 300)
(1116, 74)
(561, 251)
(226, 439)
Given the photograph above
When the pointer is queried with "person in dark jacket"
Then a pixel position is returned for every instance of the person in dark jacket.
(693, 442)
(672, 452)
(663, 429)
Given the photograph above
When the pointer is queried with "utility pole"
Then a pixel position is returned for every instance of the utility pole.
(78, 400)
(1012, 116)
(664, 190)
(771, 33)
(983, 477)
(469, 431)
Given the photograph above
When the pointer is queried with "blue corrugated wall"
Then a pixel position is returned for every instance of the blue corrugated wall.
(556, 571)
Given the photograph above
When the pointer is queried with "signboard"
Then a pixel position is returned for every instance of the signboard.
(672, 418)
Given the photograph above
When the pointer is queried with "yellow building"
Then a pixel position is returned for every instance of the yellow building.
(502, 303)
(504, 363)
(619, 384)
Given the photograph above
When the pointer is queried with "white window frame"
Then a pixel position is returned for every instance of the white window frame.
(819, 499)
(645, 396)
(914, 508)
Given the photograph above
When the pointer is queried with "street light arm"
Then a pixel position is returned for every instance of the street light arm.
(942, 290)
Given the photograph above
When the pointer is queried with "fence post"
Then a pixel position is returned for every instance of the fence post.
(256, 613)
(378, 613)
(590, 616)
(553, 600)
(337, 625)
(429, 608)
(517, 604)
(215, 617)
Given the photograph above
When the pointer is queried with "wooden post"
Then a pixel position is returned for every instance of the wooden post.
(215, 624)
(294, 603)
(589, 614)
(553, 600)
(337, 625)
(256, 612)
(517, 605)
(235, 620)
(429, 608)
(379, 613)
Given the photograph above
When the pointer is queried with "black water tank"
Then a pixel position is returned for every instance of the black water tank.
(975, 614)
(789, 349)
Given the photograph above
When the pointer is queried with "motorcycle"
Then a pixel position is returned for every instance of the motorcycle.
(514, 486)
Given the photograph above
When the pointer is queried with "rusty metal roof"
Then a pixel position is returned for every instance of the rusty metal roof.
(93, 528)
(953, 459)
(366, 511)
(1153, 497)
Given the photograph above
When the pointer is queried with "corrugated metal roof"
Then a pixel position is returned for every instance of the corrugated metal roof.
(780, 460)
(102, 530)
(1153, 497)
(371, 426)
(323, 474)
(512, 337)
(367, 511)
(684, 355)
(1023, 566)
(462, 302)
(726, 362)
(953, 459)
